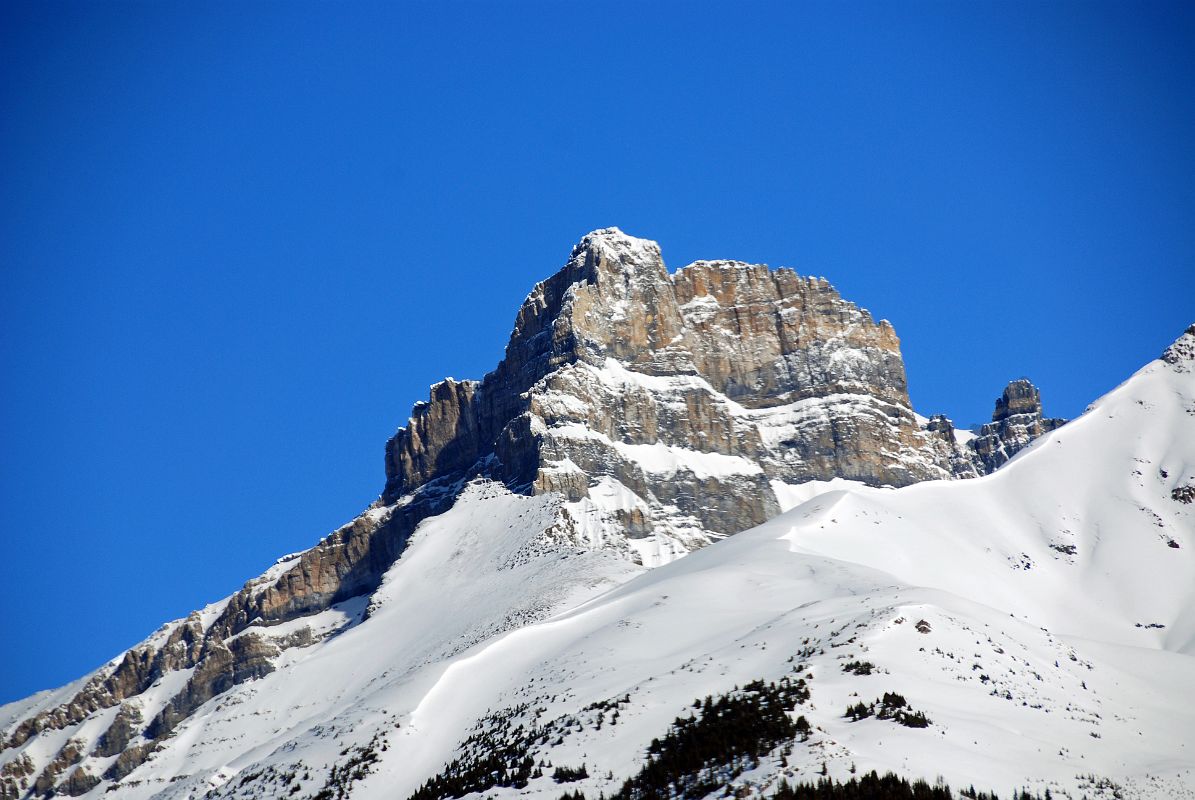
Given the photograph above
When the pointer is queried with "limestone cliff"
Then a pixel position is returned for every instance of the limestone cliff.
(664, 405)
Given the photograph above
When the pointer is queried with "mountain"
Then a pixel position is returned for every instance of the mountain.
(1007, 609)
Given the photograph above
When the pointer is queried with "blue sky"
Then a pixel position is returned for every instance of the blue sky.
(237, 241)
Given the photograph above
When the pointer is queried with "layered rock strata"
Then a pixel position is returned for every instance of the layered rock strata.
(666, 404)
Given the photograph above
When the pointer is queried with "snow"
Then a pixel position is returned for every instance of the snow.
(615, 373)
(779, 423)
(700, 309)
(961, 435)
(321, 625)
(669, 459)
(469, 574)
(791, 495)
(665, 459)
(598, 520)
(1039, 616)
(856, 568)
(1095, 485)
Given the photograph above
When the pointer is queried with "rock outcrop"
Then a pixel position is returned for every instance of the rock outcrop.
(122, 730)
(15, 776)
(1016, 422)
(666, 409)
(220, 667)
(80, 781)
(955, 448)
(71, 753)
(1180, 355)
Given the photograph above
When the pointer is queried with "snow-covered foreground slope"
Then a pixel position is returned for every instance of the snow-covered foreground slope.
(1042, 618)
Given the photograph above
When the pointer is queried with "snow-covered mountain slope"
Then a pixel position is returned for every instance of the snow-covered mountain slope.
(1041, 619)
(492, 563)
(668, 410)
(1084, 519)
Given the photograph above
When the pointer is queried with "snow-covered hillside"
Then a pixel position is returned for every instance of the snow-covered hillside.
(1041, 618)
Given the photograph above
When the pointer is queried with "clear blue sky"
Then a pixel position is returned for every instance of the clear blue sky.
(237, 241)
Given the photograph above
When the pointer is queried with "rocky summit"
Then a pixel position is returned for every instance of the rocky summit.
(657, 411)
(672, 409)
(1016, 422)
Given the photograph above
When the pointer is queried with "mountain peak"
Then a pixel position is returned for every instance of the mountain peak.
(1019, 397)
(740, 335)
(608, 255)
(1017, 422)
(614, 237)
(1181, 354)
(635, 417)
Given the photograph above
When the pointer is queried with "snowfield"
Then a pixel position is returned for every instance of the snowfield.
(1042, 618)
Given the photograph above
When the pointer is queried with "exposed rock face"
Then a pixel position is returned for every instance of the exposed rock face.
(1016, 422)
(959, 455)
(220, 667)
(666, 404)
(120, 732)
(15, 775)
(129, 759)
(70, 754)
(665, 408)
(347, 563)
(80, 781)
(1181, 354)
